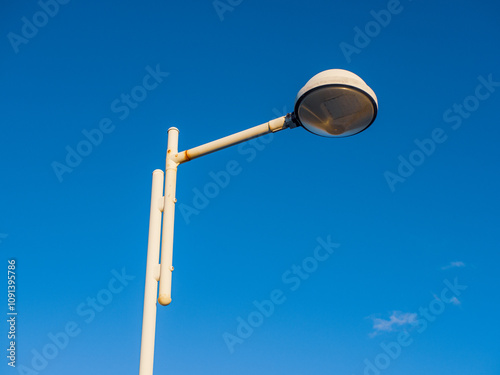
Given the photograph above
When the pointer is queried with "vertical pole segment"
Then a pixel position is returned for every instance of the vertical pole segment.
(151, 288)
(167, 240)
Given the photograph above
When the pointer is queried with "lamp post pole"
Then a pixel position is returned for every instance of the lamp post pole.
(152, 276)
(165, 203)
(167, 240)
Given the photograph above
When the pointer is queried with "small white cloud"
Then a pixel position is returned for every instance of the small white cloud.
(397, 321)
(456, 264)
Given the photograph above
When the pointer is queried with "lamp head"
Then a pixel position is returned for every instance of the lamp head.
(336, 103)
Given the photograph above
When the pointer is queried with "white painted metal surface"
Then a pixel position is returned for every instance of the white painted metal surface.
(165, 203)
(231, 140)
(151, 288)
(167, 239)
(336, 77)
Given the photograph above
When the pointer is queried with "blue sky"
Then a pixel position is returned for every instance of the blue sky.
(373, 254)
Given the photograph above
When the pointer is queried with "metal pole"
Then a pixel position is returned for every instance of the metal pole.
(152, 275)
(231, 140)
(167, 239)
(162, 271)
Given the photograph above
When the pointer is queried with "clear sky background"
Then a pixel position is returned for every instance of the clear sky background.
(411, 203)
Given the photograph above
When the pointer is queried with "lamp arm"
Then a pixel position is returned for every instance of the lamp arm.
(272, 126)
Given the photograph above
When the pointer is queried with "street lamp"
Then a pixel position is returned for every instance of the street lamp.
(334, 103)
